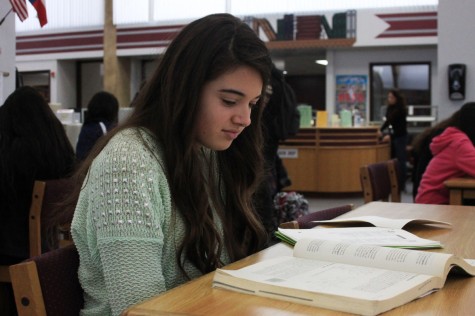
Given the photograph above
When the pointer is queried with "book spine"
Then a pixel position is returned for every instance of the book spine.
(351, 24)
(339, 25)
(268, 30)
(308, 27)
(326, 27)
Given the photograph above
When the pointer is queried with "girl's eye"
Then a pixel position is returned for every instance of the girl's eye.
(229, 102)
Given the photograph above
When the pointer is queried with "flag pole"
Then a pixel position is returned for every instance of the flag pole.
(3, 19)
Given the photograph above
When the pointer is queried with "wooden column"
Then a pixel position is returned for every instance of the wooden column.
(116, 70)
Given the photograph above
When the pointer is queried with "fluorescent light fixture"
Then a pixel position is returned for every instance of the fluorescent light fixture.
(323, 62)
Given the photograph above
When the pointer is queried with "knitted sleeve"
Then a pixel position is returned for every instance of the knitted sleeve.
(128, 206)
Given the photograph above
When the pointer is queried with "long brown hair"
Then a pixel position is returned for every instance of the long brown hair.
(167, 107)
(400, 100)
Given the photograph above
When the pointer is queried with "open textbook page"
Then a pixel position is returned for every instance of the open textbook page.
(347, 277)
(378, 236)
(413, 261)
(383, 221)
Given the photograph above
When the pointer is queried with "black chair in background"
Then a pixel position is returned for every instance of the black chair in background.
(379, 181)
(48, 285)
(306, 221)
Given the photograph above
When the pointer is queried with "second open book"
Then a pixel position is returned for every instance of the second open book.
(353, 278)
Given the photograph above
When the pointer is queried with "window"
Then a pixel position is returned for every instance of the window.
(39, 80)
(411, 79)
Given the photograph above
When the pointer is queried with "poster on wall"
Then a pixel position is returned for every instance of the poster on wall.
(351, 93)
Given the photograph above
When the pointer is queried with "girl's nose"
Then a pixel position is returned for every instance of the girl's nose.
(243, 117)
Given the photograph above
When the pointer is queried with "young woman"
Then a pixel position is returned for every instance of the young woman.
(168, 195)
(101, 117)
(421, 148)
(33, 146)
(453, 156)
(396, 119)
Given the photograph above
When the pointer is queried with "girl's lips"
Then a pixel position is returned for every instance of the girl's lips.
(232, 134)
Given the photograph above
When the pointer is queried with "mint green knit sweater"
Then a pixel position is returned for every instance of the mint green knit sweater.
(126, 229)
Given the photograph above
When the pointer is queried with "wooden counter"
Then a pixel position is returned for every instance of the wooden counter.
(328, 159)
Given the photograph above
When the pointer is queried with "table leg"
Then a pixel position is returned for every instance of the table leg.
(455, 197)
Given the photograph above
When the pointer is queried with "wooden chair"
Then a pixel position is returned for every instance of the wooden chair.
(379, 181)
(305, 221)
(4, 274)
(48, 284)
(45, 196)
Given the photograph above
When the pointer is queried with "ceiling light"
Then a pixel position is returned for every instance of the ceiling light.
(323, 62)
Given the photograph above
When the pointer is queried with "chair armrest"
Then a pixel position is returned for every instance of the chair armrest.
(291, 225)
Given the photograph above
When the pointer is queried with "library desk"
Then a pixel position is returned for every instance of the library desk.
(328, 159)
(460, 188)
(197, 297)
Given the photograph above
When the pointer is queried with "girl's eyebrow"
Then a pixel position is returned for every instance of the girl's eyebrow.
(236, 92)
(232, 91)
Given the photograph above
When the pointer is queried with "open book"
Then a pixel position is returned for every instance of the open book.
(376, 236)
(346, 277)
(383, 221)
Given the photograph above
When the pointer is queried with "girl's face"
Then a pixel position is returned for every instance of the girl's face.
(225, 107)
(391, 99)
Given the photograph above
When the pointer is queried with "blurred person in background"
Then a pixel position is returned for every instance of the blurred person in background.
(33, 146)
(453, 157)
(396, 126)
(421, 152)
(100, 117)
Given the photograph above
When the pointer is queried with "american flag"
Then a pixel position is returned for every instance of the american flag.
(19, 6)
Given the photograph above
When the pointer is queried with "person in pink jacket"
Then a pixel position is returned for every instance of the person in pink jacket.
(453, 156)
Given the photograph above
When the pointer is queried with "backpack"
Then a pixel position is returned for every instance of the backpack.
(288, 117)
(290, 206)
(292, 121)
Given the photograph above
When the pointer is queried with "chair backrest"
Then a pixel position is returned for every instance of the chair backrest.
(306, 221)
(45, 198)
(4, 274)
(48, 284)
(379, 181)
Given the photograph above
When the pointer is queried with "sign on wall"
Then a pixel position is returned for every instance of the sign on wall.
(351, 93)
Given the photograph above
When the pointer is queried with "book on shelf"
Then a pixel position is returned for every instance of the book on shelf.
(308, 27)
(348, 277)
(285, 28)
(339, 25)
(377, 236)
(351, 24)
(266, 27)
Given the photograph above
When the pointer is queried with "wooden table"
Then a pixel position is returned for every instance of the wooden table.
(456, 298)
(460, 188)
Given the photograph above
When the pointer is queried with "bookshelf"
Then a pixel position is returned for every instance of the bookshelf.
(313, 43)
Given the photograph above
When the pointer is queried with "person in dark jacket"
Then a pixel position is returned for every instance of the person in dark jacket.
(101, 117)
(277, 123)
(396, 124)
